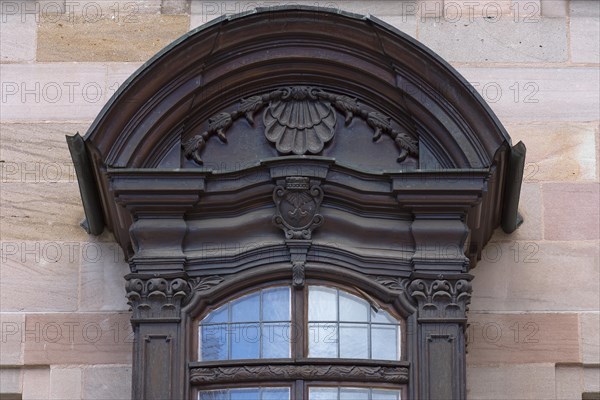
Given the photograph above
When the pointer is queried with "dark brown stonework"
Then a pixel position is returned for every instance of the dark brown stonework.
(224, 165)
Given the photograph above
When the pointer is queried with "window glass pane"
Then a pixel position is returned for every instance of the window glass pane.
(246, 309)
(322, 340)
(213, 395)
(383, 394)
(353, 309)
(245, 394)
(276, 340)
(220, 315)
(384, 343)
(354, 394)
(276, 304)
(350, 393)
(322, 304)
(382, 317)
(317, 393)
(213, 342)
(275, 394)
(245, 340)
(354, 341)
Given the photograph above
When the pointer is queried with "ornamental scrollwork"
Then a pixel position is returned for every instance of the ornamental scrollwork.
(247, 373)
(299, 120)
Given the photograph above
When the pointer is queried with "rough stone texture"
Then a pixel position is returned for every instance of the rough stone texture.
(27, 269)
(590, 338)
(527, 276)
(584, 8)
(107, 383)
(569, 382)
(65, 383)
(11, 381)
(134, 38)
(504, 382)
(591, 379)
(580, 222)
(555, 8)
(78, 338)
(11, 344)
(17, 38)
(52, 92)
(557, 151)
(522, 338)
(175, 6)
(36, 383)
(102, 286)
(38, 211)
(538, 94)
(37, 153)
(585, 39)
(461, 39)
(529, 207)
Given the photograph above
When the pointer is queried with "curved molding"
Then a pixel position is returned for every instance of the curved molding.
(361, 57)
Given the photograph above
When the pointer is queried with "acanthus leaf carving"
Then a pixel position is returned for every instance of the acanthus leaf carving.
(441, 298)
(248, 373)
(299, 120)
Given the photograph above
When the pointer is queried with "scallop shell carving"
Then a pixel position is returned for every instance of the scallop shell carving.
(299, 122)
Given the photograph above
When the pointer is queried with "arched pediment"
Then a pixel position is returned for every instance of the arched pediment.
(297, 144)
(374, 81)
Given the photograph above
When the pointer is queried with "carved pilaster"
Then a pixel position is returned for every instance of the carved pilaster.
(441, 298)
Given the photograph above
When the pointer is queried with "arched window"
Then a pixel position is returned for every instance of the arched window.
(292, 339)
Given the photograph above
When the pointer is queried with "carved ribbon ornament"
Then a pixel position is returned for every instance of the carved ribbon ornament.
(299, 120)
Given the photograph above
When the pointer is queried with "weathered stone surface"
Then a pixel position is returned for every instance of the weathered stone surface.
(41, 211)
(569, 382)
(134, 38)
(571, 211)
(37, 153)
(38, 276)
(557, 151)
(555, 8)
(117, 74)
(522, 338)
(102, 283)
(17, 38)
(52, 92)
(584, 8)
(483, 40)
(591, 379)
(107, 383)
(175, 6)
(494, 9)
(537, 276)
(405, 23)
(529, 207)
(11, 345)
(77, 338)
(590, 338)
(11, 381)
(505, 382)
(538, 94)
(65, 383)
(36, 383)
(585, 39)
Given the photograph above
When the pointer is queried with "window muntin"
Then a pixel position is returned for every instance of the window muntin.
(250, 393)
(253, 326)
(352, 393)
(342, 325)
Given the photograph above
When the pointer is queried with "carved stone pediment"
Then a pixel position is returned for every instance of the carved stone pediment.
(299, 120)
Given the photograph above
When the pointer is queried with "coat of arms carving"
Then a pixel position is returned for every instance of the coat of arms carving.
(298, 202)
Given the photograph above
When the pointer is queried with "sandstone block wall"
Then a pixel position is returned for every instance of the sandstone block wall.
(534, 320)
